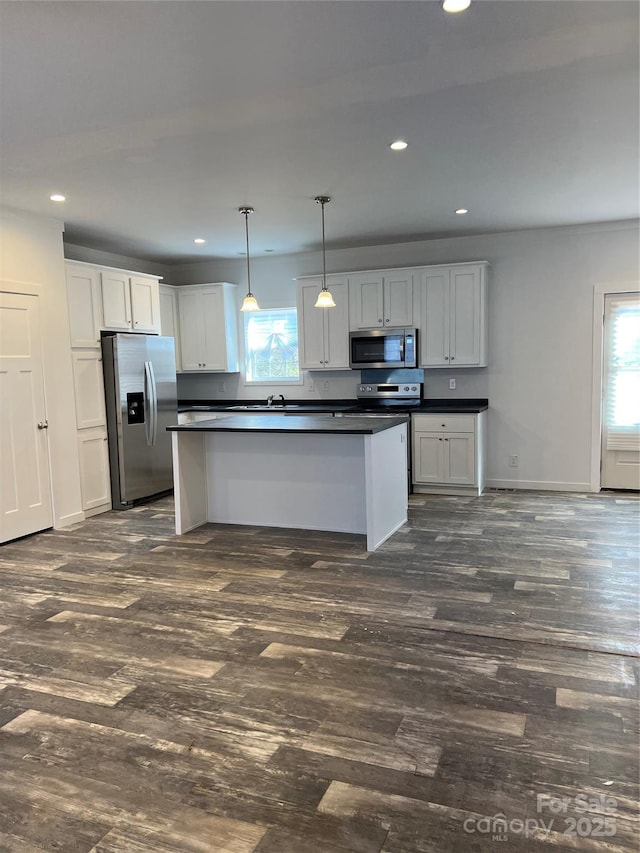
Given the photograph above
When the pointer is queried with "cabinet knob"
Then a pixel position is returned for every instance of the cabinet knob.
(386, 321)
(439, 439)
(43, 425)
(446, 358)
(446, 439)
(443, 425)
(379, 319)
(452, 357)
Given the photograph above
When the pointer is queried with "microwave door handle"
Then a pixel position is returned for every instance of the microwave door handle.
(402, 348)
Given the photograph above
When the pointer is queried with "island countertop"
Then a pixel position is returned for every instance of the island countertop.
(293, 424)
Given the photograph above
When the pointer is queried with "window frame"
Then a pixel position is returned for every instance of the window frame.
(275, 382)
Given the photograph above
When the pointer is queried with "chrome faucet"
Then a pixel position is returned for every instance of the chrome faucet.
(270, 400)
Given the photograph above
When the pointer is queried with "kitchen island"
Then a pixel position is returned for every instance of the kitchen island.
(310, 472)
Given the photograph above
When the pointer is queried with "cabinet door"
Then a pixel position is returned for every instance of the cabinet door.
(191, 329)
(460, 459)
(89, 388)
(428, 457)
(465, 305)
(145, 305)
(169, 324)
(214, 344)
(434, 334)
(116, 301)
(94, 469)
(366, 296)
(398, 299)
(336, 320)
(83, 302)
(311, 327)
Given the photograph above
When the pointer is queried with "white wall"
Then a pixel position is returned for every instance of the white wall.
(31, 253)
(110, 259)
(538, 382)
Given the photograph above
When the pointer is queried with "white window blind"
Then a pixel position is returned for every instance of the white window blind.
(271, 346)
(622, 371)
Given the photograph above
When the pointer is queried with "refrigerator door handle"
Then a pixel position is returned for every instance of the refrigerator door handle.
(154, 405)
(149, 389)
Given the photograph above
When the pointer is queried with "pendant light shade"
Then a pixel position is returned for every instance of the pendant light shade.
(249, 303)
(325, 299)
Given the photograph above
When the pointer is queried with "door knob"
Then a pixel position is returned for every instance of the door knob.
(43, 425)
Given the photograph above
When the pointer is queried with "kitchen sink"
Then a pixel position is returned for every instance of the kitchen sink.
(262, 407)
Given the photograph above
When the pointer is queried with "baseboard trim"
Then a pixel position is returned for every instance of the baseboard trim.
(66, 520)
(539, 485)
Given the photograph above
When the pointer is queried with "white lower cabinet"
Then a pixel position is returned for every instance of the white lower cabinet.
(94, 470)
(448, 453)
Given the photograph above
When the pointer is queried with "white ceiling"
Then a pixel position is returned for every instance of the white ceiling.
(158, 120)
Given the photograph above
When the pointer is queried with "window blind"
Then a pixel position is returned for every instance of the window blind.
(622, 367)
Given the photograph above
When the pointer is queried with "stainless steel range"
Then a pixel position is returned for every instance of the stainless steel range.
(387, 400)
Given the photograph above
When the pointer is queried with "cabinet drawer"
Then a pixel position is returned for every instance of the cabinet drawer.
(444, 423)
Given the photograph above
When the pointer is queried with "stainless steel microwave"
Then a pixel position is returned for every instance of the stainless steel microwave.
(383, 348)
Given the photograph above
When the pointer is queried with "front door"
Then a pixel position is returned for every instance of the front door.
(620, 452)
(25, 486)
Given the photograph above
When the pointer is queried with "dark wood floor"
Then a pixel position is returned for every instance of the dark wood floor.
(246, 689)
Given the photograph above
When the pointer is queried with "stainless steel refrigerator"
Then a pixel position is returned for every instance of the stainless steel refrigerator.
(141, 401)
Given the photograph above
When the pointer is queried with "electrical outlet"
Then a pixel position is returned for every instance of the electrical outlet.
(325, 385)
(311, 386)
(223, 386)
(513, 461)
(452, 385)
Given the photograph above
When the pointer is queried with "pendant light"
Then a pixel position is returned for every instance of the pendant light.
(249, 303)
(325, 299)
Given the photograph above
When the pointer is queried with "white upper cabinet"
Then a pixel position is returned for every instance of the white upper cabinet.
(208, 327)
(379, 299)
(130, 303)
(323, 333)
(453, 316)
(84, 306)
(169, 321)
(145, 304)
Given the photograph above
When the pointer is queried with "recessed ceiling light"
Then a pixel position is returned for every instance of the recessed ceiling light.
(461, 211)
(454, 6)
(398, 145)
(199, 241)
(58, 197)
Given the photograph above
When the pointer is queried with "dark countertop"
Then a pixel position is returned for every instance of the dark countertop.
(301, 424)
(463, 406)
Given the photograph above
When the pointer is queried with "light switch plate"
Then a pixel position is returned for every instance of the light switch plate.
(452, 385)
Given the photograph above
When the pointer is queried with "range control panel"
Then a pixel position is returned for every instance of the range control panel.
(402, 391)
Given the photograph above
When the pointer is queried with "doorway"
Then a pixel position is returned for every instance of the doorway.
(620, 422)
(25, 484)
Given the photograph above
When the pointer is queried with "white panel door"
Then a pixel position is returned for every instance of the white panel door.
(620, 444)
(311, 330)
(336, 321)
(94, 468)
(464, 304)
(25, 487)
(145, 305)
(460, 462)
(85, 310)
(169, 324)
(367, 297)
(398, 300)
(434, 334)
(428, 457)
(88, 384)
(191, 329)
(116, 301)
(215, 346)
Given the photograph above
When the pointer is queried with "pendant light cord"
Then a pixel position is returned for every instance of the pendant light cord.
(246, 228)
